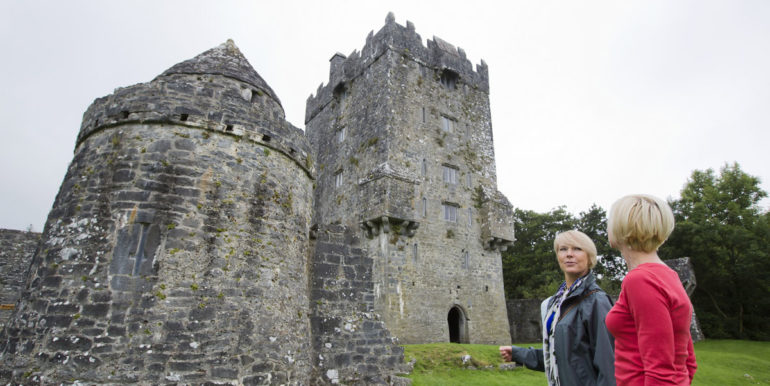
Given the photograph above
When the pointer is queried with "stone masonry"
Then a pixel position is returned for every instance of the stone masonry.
(200, 238)
(16, 250)
(412, 164)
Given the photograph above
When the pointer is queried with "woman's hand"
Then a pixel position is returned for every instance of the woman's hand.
(505, 352)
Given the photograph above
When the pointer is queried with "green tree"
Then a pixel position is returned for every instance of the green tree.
(530, 269)
(721, 227)
(610, 268)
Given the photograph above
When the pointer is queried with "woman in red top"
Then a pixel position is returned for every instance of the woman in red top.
(651, 319)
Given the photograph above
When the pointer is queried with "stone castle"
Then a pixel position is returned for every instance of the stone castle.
(198, 237)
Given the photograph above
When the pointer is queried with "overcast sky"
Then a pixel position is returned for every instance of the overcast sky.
(591, 100)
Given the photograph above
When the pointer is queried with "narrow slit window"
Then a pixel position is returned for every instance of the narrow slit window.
(423, 115)
(265, 138)
(338, 179)
(424, 207)
(183, 117)
(424, 167)
(341, 134)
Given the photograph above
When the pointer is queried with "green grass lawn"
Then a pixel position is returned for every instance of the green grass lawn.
(720, 362)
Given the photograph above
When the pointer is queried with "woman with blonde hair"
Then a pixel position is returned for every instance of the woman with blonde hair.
(651, 319)
(577, 348)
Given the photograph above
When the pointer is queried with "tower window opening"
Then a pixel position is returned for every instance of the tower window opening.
(124, 113)
(447, 124)
(338, 179)
(341, 134)
(265, 138)
(340, 92)
(229, 128)
(183, 117)
(423, 115)
(450, 174)
(449, 79)
(450, 212)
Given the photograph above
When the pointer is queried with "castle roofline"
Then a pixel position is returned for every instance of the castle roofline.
(404, 40)
(225, 60)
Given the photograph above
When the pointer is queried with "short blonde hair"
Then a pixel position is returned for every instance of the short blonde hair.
(578, 239)
(641, 222)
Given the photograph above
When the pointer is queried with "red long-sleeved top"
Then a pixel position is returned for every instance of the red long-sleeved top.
(651, 326)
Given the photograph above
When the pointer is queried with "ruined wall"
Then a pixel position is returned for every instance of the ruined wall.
(176, 248)
(351, 343)
(385, 129)
(524, 316)
(683, 267)
(16, 250)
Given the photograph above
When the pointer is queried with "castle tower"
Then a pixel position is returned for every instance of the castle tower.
(403, 139)
(176, 249)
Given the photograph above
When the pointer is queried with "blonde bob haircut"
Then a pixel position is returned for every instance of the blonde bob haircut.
(578, 239)
(640, 222)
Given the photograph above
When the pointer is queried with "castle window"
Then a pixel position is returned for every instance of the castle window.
(338, 179)
(466, 261)
(229, 128)
(183, 117)
(468, 179)
(424, 167)
(340, 92)
(341, 134)
(265, 138)
(470, 217)
(424, 207)
(450, 174)
(414, 255)
(447, 124)
(449, 79)
(450, 211)
(423, 115)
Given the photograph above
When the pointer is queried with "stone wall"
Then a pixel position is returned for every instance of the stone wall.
(176, 249)
(524, 317)
(683, 267)
(351, 343)
(16, 250)
(403, 138)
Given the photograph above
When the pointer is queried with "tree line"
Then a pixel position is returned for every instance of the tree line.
(719, 226)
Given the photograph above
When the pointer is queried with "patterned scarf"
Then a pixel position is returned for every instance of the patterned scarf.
(552, 317)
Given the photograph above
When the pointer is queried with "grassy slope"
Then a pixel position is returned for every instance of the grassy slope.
(720, 362)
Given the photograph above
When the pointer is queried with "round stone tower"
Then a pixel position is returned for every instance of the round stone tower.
(176, 248)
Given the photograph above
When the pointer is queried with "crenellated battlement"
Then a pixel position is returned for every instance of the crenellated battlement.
(438, 55)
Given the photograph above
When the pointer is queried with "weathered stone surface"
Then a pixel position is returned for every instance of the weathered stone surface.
(398, 161)
(683, 267)
(179, 248)
(16, 250)
(524, 318)
(131, 245)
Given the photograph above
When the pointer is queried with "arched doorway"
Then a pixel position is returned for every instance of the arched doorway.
(458, 328)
